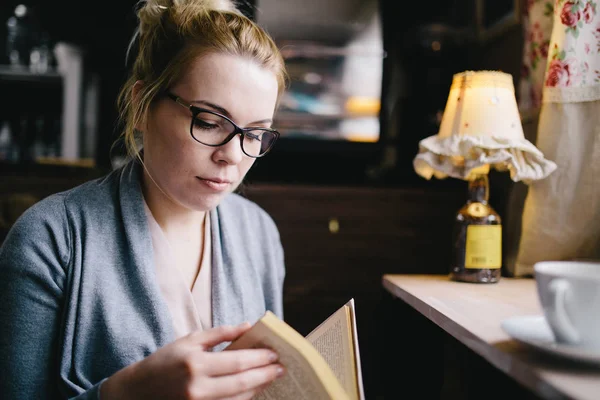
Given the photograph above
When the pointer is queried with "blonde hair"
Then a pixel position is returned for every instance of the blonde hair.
(170, 34)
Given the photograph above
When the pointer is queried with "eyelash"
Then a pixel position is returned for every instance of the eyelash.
(205, 125)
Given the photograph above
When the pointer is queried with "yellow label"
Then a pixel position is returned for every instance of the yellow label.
(484, 246)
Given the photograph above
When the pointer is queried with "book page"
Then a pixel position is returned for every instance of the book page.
(308, 377)
(352, 310)
(335, 339)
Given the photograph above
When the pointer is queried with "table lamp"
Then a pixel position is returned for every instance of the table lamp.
(480, 129)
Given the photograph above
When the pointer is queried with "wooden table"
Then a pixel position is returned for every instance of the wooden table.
(472, 313)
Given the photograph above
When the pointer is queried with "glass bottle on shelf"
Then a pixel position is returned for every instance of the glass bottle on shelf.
(477, 237)
(20, 35)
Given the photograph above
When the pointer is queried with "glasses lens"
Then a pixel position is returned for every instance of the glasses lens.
(257, 142)
(211, 129)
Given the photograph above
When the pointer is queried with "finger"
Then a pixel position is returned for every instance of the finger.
(234, 361)
(214, 336)
(244, 396)
(240, 383)
(249, 394)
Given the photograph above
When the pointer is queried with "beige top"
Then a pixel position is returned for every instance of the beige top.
(190, 309)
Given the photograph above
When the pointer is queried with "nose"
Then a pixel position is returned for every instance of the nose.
(231, 152)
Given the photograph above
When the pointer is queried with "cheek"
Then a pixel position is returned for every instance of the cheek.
(182, 158)
(245, 165)
(170, 146)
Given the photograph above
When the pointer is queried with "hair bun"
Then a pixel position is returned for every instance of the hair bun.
(154, 8)
(150, 14)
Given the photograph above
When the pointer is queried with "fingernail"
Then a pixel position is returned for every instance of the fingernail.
(273, 356)
(280, 371)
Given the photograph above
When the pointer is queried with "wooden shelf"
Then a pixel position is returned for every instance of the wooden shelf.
(23, 74)
(302, 117)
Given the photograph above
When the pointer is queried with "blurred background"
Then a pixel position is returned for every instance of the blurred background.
(369, 79)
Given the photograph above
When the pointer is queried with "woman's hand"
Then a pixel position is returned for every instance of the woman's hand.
(186, 369)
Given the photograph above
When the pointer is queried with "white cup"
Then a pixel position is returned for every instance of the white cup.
(569, 292)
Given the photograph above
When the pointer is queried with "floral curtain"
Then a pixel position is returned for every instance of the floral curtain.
(560, 85)
(537, 26)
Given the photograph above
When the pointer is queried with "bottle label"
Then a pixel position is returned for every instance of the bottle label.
(484, 246)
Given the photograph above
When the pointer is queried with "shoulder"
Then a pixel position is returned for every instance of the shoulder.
(49, 219)
(40, 237)
(95, 194)
(47, 214)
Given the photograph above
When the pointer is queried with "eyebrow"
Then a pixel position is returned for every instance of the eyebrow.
(226, 113)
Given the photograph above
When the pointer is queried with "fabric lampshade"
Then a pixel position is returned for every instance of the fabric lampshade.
(481, 129)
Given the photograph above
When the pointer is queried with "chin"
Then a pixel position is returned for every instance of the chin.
(206, 203)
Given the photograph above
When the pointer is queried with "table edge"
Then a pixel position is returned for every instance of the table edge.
(505, 362)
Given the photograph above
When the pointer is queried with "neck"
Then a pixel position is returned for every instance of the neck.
(479, 189)
(172, 217)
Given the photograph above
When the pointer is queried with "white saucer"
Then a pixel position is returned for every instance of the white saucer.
(534, 331)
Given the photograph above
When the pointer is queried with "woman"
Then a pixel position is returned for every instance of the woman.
(125, 287)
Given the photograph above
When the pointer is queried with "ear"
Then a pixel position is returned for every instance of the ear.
(135, 93)
(136, 89)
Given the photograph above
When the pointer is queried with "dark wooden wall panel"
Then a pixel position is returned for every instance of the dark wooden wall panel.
(381, 230)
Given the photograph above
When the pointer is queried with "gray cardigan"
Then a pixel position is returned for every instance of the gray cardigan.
(79, 298)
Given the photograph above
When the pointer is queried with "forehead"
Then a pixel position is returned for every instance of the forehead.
(240, 85)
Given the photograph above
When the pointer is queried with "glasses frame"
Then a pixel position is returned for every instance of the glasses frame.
(237, 129)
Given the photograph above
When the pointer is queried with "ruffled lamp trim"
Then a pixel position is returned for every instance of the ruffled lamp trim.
(457, 156)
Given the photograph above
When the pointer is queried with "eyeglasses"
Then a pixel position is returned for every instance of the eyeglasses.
(213, 129)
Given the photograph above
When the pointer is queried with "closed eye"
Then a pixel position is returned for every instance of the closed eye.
(253, 136)
(205, 124)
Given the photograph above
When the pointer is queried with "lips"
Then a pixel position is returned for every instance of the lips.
(216, 180)
(216, 184)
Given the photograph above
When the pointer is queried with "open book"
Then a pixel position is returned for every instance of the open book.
(324, 365)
